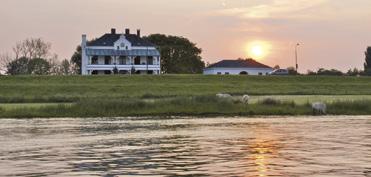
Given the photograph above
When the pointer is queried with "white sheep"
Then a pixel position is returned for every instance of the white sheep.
(224, 96)
(319, 108)
(245, 99)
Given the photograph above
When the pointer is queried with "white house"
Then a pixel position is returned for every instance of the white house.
(126, 53)
(238, 67)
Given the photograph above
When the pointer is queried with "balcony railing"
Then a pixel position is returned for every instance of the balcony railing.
(124, 67)
(119, 64)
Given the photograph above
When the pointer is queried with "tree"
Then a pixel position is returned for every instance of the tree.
(178, 54)
(311, 73)
(292, 71)
(354, 72)
(76, 60)
(277, 67)
(38, 66)
(32, 48)
(331, 72)
(5, 59)
(65, 67)
(368, 62)
(18, 66)
(29, 58)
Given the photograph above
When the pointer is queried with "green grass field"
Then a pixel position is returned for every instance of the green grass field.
(71, 88)
(59, 96)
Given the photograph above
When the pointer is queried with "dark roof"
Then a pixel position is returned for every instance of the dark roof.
(240, 63)
(112, 52)
(109, 39)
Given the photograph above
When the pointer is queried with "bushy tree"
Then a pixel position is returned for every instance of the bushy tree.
(18, 66)
(31, 56)
(331, 72)
(65, 67)
(32, 48)
(354, 72)
(292, 71)
(367, 64)
(178, 54)
(38, 66)
(277, 67)
(76, 60)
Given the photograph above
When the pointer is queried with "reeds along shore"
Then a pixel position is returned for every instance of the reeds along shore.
(172, 95)
(202, 106)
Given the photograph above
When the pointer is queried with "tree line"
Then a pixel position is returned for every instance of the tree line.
(33, 57)
(178, 56)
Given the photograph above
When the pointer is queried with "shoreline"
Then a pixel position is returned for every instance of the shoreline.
(180, 95)
(158, 118)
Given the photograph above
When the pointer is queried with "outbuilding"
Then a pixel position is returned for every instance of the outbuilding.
(238, 67)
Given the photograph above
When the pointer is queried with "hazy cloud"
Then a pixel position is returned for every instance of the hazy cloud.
(274, 9)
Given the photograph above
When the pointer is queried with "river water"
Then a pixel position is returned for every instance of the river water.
(293, 146)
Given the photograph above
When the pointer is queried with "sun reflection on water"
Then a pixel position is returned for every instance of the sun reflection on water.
(262, 152)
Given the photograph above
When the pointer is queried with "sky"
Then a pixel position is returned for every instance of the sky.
(331, 33)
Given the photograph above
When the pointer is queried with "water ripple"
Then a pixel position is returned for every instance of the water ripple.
(305, 146)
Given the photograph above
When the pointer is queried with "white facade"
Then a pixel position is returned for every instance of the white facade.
(121, 56)
(237, 71)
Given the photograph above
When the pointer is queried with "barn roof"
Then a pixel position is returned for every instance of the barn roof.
(240, 63)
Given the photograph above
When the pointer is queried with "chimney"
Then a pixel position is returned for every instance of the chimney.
(138, 32)
(84, 41)
(113, 31)
(127, 31)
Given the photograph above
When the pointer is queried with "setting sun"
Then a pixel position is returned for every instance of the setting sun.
(258, 49)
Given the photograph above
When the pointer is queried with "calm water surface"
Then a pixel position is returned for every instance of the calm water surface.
(306, 146)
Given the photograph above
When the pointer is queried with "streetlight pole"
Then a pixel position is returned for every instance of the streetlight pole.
(296, 57)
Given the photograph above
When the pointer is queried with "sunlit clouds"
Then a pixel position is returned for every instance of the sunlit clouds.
(273, 9)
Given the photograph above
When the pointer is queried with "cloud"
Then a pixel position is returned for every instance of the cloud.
(274, 9)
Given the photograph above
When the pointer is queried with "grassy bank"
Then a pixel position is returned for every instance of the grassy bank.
(77, 96)
(181, 106)
(57, 89)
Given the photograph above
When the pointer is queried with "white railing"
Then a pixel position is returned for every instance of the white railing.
(123, 67)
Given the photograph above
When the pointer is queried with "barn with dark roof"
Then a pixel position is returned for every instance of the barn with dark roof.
(238, 67)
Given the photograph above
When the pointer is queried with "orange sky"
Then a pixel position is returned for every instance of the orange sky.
(333, 33)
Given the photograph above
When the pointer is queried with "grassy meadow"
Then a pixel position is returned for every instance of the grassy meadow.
(166, 95)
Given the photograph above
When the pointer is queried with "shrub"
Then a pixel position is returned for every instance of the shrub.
(270, 101)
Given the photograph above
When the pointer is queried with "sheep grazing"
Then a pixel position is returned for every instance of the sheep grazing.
(245, 99)
(319, 108)
(224, 96)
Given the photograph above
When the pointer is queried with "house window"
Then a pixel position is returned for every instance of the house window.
(122, 60)
(126, 47)
(94, 60)
(260, 74)
(137, 60)
(107, 72)
(122, 45)
(107, 60)
(150, 60)
(226, 73)
(94, 72)
(219, 73)
(118, 47)
(244, 73)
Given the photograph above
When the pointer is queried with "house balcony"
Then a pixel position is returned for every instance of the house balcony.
(122, 67)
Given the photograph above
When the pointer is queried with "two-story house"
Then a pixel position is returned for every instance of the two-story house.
(121, 53)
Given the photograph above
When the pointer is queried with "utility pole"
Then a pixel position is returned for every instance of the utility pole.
(296, 57)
